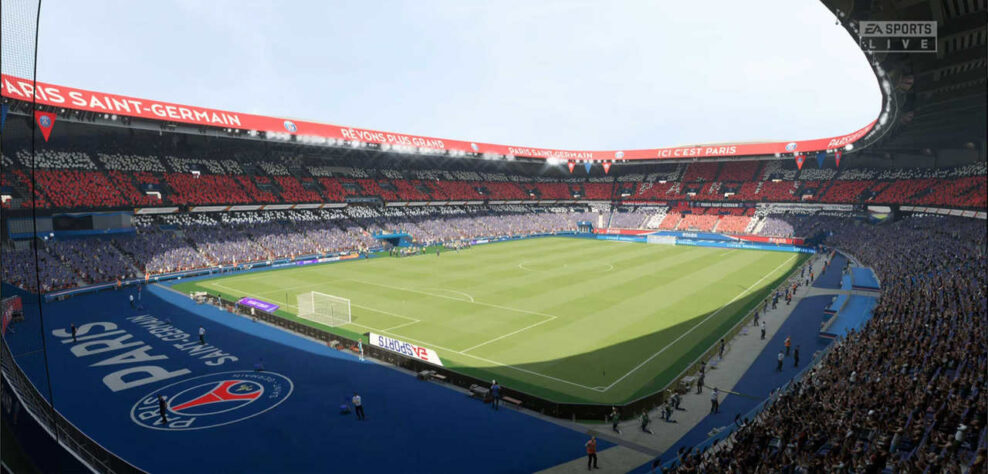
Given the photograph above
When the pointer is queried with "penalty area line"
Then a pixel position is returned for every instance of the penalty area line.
(429, 344)
(469, 297)
(512, 333)
(392, 328)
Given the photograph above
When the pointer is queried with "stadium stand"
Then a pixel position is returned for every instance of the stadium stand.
(906, 393)
(121, 180)
(171, 243)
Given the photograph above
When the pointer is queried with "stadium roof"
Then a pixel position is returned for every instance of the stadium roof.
(61, 98)
(801, 65)
(939, 97)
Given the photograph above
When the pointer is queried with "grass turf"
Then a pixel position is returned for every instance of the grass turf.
(570, 320)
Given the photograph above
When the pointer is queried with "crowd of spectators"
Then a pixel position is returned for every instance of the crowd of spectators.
(78, 180)
(907, 392)
(92, 260)
(189, 241)
(19, 269)
(155, 251)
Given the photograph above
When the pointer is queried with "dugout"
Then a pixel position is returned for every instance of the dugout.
(396, 239)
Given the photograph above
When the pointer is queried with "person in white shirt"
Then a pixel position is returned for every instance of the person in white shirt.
(782, 356)
(358, 406)
(202, 336)
(714, 402)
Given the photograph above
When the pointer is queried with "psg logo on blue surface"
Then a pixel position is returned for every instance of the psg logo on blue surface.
(290, 126)
(791, 146)
(45, 121)
(208, 401)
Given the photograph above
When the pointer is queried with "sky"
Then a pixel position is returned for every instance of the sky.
(575, 74)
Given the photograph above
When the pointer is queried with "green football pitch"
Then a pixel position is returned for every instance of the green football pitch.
(566, 319)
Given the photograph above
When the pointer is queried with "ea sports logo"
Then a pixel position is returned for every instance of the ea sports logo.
(791, 146)
(208, 401)
(290, 126)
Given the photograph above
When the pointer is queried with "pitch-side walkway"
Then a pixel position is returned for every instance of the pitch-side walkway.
(635, 447)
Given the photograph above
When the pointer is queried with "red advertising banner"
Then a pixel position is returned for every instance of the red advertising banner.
(617, 231)
(100, 102)
(771, 240)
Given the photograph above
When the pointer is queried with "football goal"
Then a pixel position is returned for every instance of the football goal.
(324, 309)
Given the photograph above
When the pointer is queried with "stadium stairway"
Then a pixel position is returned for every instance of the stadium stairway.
(411, 426)
(831, 279)
(851, 317)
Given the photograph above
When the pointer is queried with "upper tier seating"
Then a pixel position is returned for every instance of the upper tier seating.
(67, 179)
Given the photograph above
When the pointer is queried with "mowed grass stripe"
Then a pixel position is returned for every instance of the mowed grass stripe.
(591, 312)
(611, 325)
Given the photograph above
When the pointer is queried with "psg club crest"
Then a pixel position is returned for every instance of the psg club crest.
(619, 155)
(290, 126)
(46, 120)
(208, 401)
(791, 146)
(474, 147)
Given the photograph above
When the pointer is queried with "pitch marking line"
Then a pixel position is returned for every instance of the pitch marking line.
(368, 308)
(506, 308)
(523, 267)
(681, 336)
(607, 267)
(392, 328)
(493, 362)
(452, 291)
(512, 333)
(388, 331)
(282, 290)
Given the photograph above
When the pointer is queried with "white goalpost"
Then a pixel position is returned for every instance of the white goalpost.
(324, 309)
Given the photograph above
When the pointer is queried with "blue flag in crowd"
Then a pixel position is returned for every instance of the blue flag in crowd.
(3, 115)
(819, 158)
(587, 165)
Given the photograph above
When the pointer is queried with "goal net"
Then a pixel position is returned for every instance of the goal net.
(324, 309)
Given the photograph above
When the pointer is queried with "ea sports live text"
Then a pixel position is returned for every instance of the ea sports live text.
(898, 36)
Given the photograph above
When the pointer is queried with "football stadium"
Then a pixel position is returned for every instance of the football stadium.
(194, 279)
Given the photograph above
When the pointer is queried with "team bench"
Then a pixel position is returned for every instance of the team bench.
(514, 401)
(431, 375)
(483, 393)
